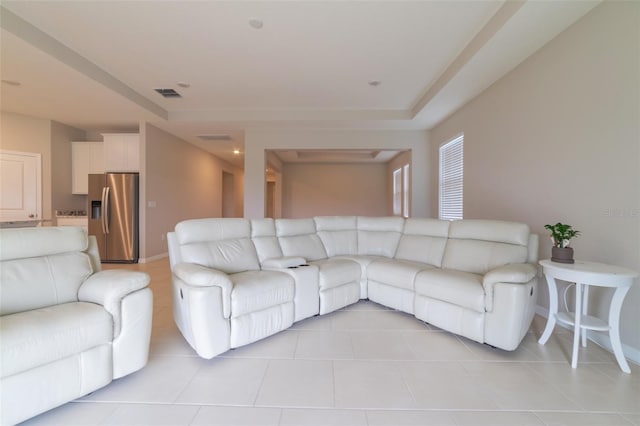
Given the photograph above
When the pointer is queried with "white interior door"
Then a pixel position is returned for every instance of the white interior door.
(20, 186)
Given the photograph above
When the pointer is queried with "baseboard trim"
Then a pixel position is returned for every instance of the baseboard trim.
(630, 353)
(153, 258)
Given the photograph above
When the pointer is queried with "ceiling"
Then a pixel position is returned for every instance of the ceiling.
(397, 64)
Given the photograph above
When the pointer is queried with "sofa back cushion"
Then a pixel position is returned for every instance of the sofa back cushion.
(298, 237)
(423, 240)
(338, 234)
(379, 236)
(222, 244)
(41, 267)
(263, 234)
(478, 246)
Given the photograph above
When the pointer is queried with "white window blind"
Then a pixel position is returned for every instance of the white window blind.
(451, 179)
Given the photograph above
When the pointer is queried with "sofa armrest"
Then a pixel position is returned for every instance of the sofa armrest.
(201, 276)
(108, 288)
(283, 262)
(519, 273)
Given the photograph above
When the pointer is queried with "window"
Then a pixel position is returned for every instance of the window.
(397, 192)
(451, 179)
(401, 191)
(405, 191)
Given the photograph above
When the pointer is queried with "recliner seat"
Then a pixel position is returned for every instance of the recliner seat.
(66, 327)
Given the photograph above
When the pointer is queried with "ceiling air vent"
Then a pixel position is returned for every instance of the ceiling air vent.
(168, 93)
(222, 138)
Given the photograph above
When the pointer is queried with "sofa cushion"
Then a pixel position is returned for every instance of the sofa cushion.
(229, 256)
(396, 273)
(23, 243)
(423, 240)
(257, 290)
(379, 236)
(37, 282)
(213, 229)
(490, 230)
(220, 243)
(338, 234)
(263, 235)
(456, 287)
(298, 237)
(41, 336)
(334, 273)
(478, 246)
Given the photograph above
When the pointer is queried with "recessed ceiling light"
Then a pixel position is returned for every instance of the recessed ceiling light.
(12, 82)
(256, 23)
(183, 84)
(374, 83)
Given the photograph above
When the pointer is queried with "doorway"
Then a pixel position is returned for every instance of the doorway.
(228, 195)
(271, 203)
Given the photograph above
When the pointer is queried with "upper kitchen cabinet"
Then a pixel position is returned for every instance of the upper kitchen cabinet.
(20, 186)
(121, 152)
(86, 158)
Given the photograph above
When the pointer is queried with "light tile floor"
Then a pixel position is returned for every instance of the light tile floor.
(363, 365)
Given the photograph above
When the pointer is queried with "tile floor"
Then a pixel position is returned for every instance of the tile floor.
(363, 365)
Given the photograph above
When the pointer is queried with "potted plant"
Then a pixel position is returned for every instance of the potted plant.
(561, 235)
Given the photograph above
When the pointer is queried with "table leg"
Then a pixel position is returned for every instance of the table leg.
(614, 327)
(553, 310)
(585, 307)
(576, 328)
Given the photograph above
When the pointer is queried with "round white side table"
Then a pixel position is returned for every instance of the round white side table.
(586, 274)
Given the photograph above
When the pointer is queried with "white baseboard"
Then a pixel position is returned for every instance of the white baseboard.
(153, 258)
(630, 353)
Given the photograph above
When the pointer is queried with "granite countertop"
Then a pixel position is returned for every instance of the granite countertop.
(71, 213)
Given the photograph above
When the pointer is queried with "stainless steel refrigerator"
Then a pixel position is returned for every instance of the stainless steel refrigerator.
(113, 215)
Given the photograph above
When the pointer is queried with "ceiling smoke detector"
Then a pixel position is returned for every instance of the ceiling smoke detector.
(219, 138)
(256, 23)
(168, 93)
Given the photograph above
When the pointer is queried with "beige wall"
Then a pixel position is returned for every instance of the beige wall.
(558, 139)
(61, 196)
(258, 141)
(51, 140)
(183, 181)
(28, 134)
(334, 189)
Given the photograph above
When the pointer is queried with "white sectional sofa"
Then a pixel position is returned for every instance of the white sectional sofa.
(236, 281)
(66, 327)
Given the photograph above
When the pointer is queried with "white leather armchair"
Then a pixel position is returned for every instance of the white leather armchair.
(66, 327)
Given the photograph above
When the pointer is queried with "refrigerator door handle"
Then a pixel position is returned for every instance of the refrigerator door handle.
(105, 210)
(102, 206)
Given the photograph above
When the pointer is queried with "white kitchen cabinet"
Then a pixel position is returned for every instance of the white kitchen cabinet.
(20, 186)
(121, 152)
(86, 158)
